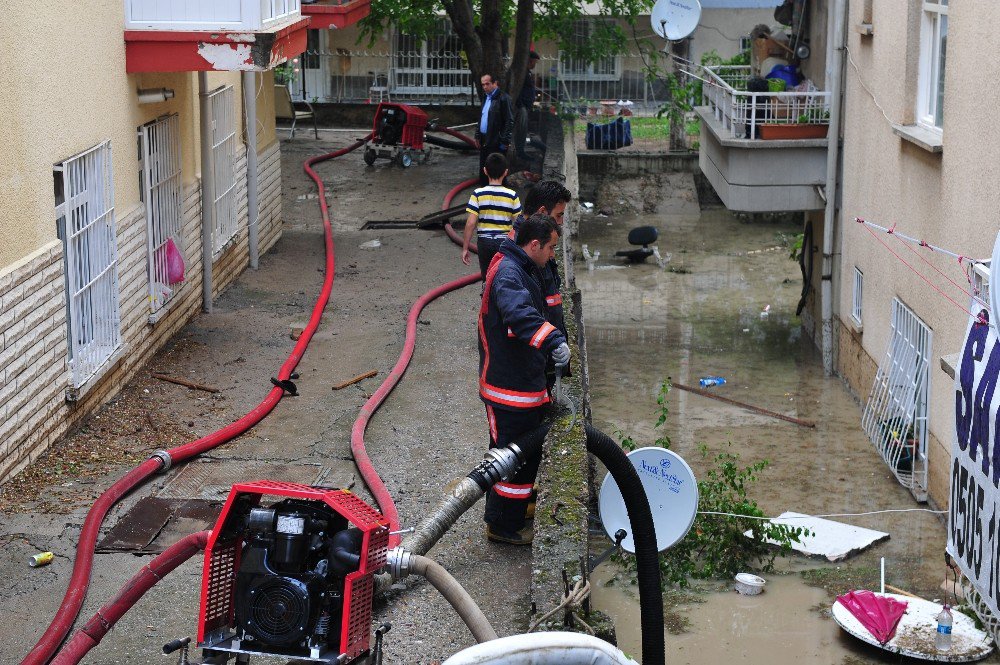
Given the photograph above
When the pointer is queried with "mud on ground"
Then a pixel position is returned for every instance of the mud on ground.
(431, 431)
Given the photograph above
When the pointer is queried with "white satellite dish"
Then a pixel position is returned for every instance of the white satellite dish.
(672, 492)
(675, 19)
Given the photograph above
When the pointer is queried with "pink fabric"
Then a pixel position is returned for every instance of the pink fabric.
(879, 614)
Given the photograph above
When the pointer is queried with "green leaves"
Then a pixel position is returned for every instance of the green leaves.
(716, 546)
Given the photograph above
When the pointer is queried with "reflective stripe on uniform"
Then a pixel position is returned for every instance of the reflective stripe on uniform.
(552, 301)
(541, 334)
(511, 491)
(521, 400)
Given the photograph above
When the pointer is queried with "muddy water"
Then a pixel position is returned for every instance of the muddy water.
(705, 315)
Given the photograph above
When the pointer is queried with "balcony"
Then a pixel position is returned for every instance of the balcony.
(766, 173)
(223, 35)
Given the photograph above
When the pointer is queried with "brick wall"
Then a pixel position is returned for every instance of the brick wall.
(33, 338)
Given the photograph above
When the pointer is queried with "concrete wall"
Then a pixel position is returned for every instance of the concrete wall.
(64, 99)
(948, 198)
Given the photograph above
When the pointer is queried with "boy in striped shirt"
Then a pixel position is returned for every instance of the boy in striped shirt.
(492, 210)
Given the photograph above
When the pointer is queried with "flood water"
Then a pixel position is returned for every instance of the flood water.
(702, 316)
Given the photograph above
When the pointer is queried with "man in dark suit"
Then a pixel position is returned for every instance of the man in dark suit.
(496, 123)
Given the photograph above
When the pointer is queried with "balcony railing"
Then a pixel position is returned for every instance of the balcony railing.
(742, 113)
(222, 15)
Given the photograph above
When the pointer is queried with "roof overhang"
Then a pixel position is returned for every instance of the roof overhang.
(177, 51)
(327, 14)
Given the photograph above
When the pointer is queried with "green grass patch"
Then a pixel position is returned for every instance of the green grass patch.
(642, 128)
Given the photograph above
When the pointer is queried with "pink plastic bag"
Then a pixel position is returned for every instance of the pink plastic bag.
(175, 263)
(879, 614)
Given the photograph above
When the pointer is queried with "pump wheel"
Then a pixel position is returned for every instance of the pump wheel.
(369, 156)
(405, 160)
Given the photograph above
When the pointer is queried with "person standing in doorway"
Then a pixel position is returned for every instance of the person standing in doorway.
(496, 123)
(515, 340)
(525, 103)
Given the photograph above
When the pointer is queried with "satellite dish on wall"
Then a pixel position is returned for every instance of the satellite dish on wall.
(672, 492)
(675, 19)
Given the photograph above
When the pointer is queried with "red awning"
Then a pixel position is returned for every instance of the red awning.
(327, 14)
(200, 51)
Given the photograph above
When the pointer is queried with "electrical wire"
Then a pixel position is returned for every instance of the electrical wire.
(804, 517)
(867, 89)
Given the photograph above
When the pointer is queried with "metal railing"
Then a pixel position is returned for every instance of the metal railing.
(91, 253)
(345, 76)
(742, 112)
(895, 414)
(224, 167)
(161, 193)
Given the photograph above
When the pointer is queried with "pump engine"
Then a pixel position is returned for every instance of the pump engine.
(397, 134)
(293, 576)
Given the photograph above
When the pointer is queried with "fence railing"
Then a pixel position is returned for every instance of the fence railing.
(742, 112)
(345, 76)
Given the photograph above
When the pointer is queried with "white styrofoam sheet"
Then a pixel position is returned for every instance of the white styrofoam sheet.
(915, 632)
(834, 541)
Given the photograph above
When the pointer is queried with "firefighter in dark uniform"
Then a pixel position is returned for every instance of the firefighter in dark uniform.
(515, 340)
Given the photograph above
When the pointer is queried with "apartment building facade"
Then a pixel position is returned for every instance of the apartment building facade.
(111, 126)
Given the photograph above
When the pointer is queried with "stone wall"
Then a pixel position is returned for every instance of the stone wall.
(34, 363)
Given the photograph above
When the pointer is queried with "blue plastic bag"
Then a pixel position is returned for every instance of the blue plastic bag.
(787, 73)
(614, 135)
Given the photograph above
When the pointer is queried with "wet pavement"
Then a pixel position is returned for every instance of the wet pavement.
(704, 315)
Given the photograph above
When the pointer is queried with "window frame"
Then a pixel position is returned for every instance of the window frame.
(857, 296)
(608, 68)
(932, 65)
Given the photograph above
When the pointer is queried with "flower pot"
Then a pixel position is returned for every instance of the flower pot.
(793, 131)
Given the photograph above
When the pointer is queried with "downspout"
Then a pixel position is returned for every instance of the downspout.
(250, 106)
(834, 76)
(207, 192)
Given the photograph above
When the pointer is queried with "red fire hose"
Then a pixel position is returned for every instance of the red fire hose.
(80, 579)
(91, 634)
(452, 233)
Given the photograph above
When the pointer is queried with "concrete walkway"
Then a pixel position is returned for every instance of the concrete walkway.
(430, 433)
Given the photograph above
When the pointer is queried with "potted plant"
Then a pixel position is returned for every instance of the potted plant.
(804, 128)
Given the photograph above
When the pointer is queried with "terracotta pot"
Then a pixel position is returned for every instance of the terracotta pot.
(795, 131)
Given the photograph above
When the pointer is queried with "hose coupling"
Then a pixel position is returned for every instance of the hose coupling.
(165, 461)
(397, 563)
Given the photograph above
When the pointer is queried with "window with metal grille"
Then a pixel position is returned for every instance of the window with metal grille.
(429, 66)
(608, 68)
(859, 287)
(895, 415)
(85, 216)
(224, 167)
(160, 154)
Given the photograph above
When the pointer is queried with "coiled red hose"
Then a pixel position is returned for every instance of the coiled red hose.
(80, 580)
(90, 635)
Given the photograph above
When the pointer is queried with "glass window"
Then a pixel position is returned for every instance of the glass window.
(933, 49)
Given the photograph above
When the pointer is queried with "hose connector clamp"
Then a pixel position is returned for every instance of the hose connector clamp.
(503, 462)
(165, 461)
(397, 563)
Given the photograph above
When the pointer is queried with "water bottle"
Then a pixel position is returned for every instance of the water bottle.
(942, 639)
(707, 381)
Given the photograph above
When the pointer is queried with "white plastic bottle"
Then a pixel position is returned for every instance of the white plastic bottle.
(942, 638)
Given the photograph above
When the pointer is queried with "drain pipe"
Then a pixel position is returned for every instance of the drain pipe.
(253, 207)
(207, 192)
(401, 563)
(834, 76)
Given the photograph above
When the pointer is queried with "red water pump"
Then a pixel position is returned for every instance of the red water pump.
(397, 135)
(289, 571)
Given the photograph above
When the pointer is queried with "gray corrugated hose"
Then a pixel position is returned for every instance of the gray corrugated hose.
(401, 563)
